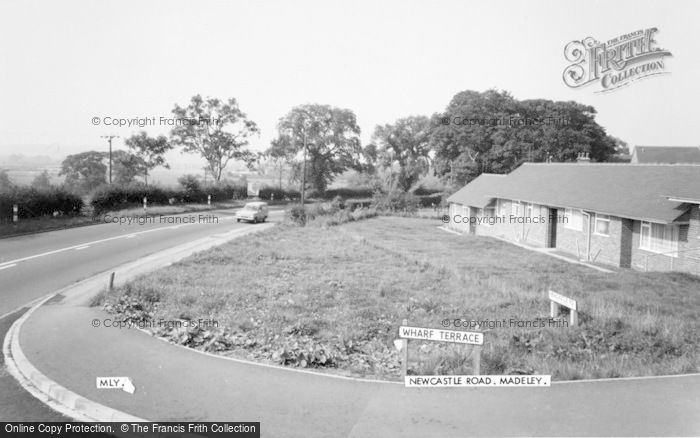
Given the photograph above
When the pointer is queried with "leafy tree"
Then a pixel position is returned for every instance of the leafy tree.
(406, 145)
(84, 171)
(6, 184)
(332, 142)
(217, 130)
(150, 150)
(493, 132)
(42, 181)
(126, 167)
(275, 165)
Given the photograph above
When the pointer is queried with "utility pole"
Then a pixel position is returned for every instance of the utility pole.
(303, 172)
(109, 139)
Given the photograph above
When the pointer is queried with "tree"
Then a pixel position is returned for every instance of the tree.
(331, 136)
(127, 167)
(84, 171)
(406, 145)
(150, 150)
(42, 181)
(6, 184)
(271, 163)
(493, 132)
(217, 130)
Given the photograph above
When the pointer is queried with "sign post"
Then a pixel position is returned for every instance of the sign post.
(253, 189)
(430, 334)
(145, 203)
(15, 213)
(557, 300)
(404, 352)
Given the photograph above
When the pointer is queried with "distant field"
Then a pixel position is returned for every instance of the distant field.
(333, 298)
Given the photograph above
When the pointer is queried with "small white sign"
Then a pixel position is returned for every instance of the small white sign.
(561, 299)
(398, 343)
(430, 334)
(477, 381)
(123, 383)
(253, 188)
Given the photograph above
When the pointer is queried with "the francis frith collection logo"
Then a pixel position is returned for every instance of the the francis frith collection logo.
(614, 63)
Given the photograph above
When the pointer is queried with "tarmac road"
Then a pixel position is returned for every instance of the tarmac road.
(34, 265)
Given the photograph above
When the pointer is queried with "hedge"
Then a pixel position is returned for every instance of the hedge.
(117, 197)
(33, 203)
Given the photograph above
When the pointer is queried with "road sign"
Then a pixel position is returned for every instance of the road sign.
(561, 299)
(253, 189)
(123, 383)
(407, 332)
(556, 300)
(430, 334)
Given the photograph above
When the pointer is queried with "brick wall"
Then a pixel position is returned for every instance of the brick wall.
(457, 212)
(517, 228)
(688, 259)
(605, 249)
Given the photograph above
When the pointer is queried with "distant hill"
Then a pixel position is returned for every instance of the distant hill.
(23, 162)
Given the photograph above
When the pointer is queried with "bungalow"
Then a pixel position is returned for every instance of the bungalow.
(639, 216)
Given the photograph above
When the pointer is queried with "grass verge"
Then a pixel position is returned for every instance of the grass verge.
(42, 224)
(332, 298)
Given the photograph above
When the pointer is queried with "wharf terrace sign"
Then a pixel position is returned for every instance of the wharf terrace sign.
(407, 332)
(430, 334)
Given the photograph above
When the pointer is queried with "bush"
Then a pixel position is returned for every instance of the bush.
(395, 201)
(297, 215)
(33, 202)
(272, 193)
(325, 216)
(430, 201)
(337, 204)
(343, 192)
(425, 191)
(348, 193)
(354, 204)
(225, 192)
(191, 189)
(116, 197)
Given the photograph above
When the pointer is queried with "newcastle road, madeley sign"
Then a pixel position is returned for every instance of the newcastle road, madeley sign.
(616, 62)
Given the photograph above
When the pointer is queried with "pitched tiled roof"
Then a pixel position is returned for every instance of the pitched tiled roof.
(666, 154)
(480, 191)
(625, 190)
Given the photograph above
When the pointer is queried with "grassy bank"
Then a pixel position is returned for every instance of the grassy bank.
(332, 298)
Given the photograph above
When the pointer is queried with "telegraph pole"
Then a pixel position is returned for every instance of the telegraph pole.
(109, 139)
(303, 172)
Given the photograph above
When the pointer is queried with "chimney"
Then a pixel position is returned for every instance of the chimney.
(583, 158)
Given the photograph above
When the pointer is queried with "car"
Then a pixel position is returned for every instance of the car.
(252, 212)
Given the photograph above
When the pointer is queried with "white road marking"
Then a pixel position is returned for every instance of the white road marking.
(68, 248)
(130, 236)
(7, 266)
(82, 247)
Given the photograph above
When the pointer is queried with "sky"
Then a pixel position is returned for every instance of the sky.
(63, 63)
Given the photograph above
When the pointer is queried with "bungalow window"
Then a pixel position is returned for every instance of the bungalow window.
(489, 215)
(574, 219)
(515, 208)
(528, 210)
(501, 207)
(602, 224)
(659, 238)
